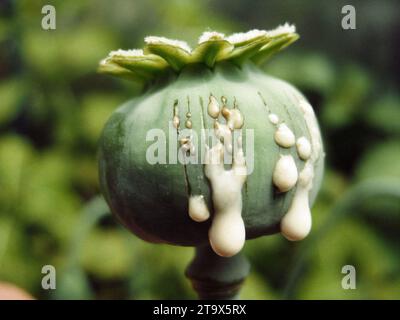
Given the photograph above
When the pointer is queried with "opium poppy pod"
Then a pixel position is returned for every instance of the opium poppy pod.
(214, 150)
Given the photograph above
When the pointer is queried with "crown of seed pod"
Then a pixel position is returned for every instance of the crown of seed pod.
(214, 150)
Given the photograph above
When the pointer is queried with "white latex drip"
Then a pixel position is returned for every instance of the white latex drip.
(297, 222)
(285, 173)
(213, 107)
(227, 233)
(234, 118)
(198, 210)
(224, 134)
(284, 136)
(303, 148)
(273, 118)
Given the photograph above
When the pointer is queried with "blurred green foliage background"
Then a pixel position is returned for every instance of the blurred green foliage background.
(53, 105)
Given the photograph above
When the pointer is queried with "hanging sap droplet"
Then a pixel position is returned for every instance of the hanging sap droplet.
(227, 233)
(303, 148)
(234, 119)
(213, 107)
(296, 224)
(313, 128)
(273, 118)
(285, 173)
(198, 210)
(225, 112)
(224, 134)
(187, 145)
(188, 124)
(306, 175)
(176, 122)
(284, 136)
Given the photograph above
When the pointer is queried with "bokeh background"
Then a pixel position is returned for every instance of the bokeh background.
(53, 105)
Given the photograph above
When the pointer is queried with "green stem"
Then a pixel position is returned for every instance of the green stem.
(215, 277)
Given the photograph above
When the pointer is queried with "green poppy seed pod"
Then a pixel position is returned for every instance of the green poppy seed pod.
(214, 150)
